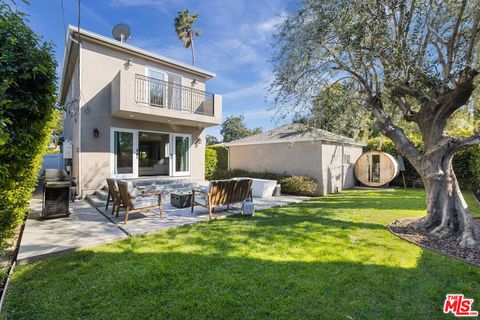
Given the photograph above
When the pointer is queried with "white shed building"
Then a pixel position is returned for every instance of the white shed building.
(295, 150)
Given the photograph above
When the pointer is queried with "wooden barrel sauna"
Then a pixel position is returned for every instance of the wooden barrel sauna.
(375, 168)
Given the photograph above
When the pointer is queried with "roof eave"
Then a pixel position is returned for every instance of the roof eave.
(202, 72)
(360, 144)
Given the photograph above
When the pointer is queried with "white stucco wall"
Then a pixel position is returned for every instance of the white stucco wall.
(319, 160)
(99, 66)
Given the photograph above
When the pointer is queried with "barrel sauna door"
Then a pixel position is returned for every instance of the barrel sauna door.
(375, 169)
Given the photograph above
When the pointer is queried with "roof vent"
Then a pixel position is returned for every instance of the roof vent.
(121, 32)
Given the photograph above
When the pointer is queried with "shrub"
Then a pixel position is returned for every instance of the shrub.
(210, 163)
(216, 160)
(466, 162)
(295, 185)
(27, 114)
(299, 185)
(222, 156)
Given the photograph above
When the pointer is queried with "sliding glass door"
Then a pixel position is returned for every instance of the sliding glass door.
(135, 153)
(124, 160)
(181, 154)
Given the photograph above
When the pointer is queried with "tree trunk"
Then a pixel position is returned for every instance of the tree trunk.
(447, 212)
(193, 49)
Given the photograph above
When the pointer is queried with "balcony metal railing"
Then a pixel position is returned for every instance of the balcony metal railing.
(169, 95)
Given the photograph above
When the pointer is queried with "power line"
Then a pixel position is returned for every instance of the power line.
(78, 23)
(64, 22)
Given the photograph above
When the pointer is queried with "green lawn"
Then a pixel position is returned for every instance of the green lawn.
(328, 258)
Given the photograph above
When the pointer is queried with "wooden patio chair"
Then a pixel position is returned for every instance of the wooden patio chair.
(134, 201)
(113, 195)
(222, 192)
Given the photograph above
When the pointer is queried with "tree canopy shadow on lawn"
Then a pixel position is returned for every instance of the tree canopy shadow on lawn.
(298, 262)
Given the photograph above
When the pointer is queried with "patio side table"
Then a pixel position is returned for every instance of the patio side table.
(181, 199)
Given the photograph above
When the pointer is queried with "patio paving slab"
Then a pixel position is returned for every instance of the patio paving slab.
(90, 225)
(150, 221)
(85, 227)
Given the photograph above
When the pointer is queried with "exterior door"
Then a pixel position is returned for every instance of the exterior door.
(174, 91)
(124, 153)
(181, 145)
(156, 90)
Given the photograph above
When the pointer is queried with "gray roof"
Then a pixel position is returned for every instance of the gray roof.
(294, 133)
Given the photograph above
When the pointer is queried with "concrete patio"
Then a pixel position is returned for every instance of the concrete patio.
(85, 227)
(150, 221)
(90, 225)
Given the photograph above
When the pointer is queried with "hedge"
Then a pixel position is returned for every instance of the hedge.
(27, 115)
(211, 162)
(216, 160)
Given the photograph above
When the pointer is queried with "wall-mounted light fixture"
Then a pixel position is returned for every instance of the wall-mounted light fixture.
(96, 133)
(197, 141)
(128, 64)
(194, 81)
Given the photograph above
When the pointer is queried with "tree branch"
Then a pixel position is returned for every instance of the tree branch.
(402, 90)
(394, 133)
(453, 38)
(458, 97)
(408, 113)
(461, 143)
(473, 38)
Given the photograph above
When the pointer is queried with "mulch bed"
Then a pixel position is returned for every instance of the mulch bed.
(403, 229)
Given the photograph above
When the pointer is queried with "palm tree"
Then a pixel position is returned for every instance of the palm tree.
(184, 28)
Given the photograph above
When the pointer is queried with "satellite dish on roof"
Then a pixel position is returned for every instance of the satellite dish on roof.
(121, 32)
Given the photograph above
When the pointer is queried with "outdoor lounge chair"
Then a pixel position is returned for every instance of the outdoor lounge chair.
(134, 201)
(113, 195)
(222, 192)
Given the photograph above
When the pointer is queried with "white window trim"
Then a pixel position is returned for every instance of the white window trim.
(165, 72)
(174, 173)
(134, 174)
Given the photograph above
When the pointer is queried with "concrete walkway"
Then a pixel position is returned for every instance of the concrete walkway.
(88, 226)
(85, 227)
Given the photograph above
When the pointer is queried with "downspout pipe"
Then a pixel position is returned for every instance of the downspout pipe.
(228, 155)
(79, 179)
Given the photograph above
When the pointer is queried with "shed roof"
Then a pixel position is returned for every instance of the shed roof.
(294, 133)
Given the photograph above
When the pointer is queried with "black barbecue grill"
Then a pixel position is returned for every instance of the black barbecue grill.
(56, 193)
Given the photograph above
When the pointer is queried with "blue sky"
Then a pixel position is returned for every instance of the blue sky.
(236, 41)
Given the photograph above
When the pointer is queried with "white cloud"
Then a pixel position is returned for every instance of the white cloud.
(257, 89)
(267, 27)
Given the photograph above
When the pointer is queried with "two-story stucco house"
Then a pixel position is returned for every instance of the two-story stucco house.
(132, 113)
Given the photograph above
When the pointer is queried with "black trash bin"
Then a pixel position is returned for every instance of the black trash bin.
(56, 193)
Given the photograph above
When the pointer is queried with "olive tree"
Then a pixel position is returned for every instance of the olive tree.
(413, 58)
